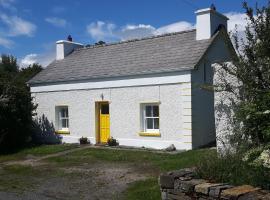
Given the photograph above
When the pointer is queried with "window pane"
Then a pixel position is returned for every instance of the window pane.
(148, 111)
(67, 123)
(104, 108)
(155, 111)
(63, 123)
(156, 123)
(64, 112)
(149, 123)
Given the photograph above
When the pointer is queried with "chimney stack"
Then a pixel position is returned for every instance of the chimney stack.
(208, 22)
(65, 47)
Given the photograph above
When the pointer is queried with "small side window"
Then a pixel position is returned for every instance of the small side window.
(62, 116)
(150, 118)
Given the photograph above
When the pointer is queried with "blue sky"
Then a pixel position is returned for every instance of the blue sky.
(29, 28)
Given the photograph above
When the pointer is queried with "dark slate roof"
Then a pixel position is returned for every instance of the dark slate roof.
(165, 53)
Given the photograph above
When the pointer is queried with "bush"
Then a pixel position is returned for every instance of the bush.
(84, 140)
(44, 132)
(16, 107)
(112, 142)
(16, 111)
(232, 168)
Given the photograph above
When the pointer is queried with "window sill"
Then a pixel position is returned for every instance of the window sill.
(149, 134)
(63, 132)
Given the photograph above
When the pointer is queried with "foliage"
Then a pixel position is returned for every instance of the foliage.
(44, 132)
(100, 42)
(8, 64)
(84, 140)
(16, 107)
(112, 142)
(251, 69)
(29, 72)
(233, 169)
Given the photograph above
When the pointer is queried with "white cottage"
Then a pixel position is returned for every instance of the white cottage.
(145, 92)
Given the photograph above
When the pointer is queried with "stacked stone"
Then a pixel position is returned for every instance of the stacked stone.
(182, 185)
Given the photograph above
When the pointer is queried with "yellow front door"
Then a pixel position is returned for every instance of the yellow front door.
(104, 122)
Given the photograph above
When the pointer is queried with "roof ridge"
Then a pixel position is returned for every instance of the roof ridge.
(134, 40)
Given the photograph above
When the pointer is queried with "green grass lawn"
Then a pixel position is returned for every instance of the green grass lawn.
(146, 162)
(161, 161)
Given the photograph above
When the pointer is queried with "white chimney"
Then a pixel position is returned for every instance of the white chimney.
(64, 48)
(208, 22)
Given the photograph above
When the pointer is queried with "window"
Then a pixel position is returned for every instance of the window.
(150, 118)
(63, 121)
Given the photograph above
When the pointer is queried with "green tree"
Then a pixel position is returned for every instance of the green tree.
(252, 70)
(16, 107)
(27, 73)
(8, 64)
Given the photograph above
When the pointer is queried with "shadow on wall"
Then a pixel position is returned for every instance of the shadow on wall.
(44, 132)
(225, 123)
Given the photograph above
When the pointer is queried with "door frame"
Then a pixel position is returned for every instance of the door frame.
(97, 118)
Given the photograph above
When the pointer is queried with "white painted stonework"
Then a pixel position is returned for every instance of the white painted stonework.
(125, 113)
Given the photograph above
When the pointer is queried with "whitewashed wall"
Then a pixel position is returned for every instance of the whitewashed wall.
(206, 122)
(125, 112)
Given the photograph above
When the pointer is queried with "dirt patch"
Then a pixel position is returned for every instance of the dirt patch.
(87, 181)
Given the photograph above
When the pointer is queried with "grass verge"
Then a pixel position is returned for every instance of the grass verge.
(37, 151)
(147, 189)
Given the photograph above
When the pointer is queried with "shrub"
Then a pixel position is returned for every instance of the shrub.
(231, 168)
(16, 111)
(112, 142)
(84, 140)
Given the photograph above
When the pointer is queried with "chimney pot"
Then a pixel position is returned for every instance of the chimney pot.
(69, 38)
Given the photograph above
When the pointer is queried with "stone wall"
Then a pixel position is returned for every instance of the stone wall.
(182, 185)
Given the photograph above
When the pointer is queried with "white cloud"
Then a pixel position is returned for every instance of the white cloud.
(7, 4)
(6, 42)
(58, 22)
(18, 26)
(43, 59)
(175, 27)
(129, 31)
(107, 31)
(101, 31)
(28, 60)
(236, 19)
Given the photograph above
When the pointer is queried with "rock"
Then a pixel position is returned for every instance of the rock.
(166, 181)
(181, 196)
(164, 195)
(204, 188)
(255, 195)
(236, 192)
(171, 148)
(216, 190)
(188, 186)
